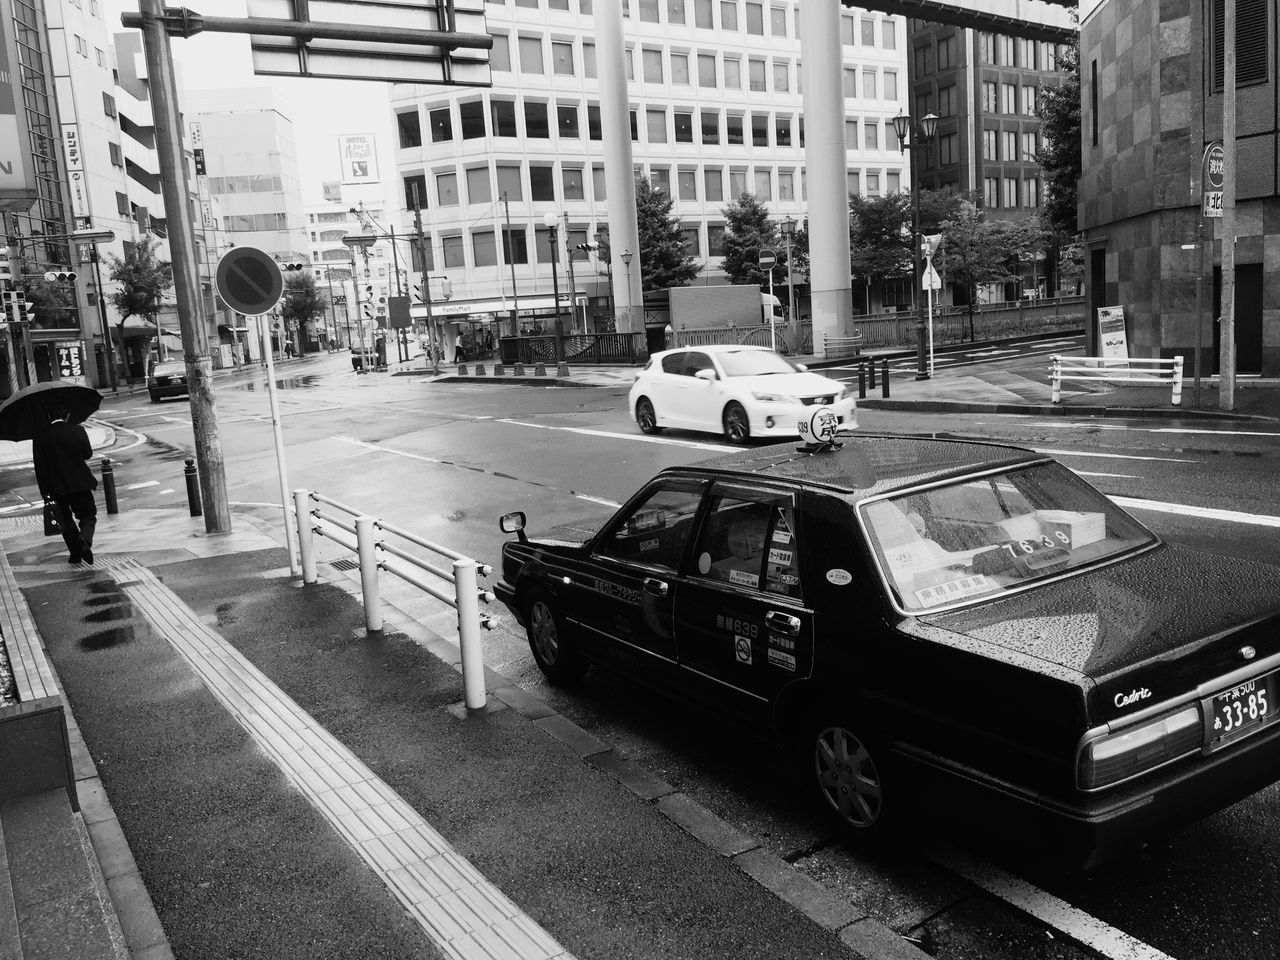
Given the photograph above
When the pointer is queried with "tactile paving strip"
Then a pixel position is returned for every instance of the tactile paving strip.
(463, 913)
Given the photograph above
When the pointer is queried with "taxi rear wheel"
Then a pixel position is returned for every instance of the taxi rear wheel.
(737, 428)
(646, 418)
(845, 767)
(552, 651)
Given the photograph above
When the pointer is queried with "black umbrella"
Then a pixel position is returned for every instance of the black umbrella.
(26, 413)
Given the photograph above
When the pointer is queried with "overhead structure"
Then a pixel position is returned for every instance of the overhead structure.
(1046, 20)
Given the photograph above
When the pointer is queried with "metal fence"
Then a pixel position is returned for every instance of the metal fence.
(579, 348)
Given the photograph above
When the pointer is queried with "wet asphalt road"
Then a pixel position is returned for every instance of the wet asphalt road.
(446, 461)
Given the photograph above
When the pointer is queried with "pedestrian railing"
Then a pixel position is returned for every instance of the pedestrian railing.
(366, 537)
(1141, 372)
(842, 346)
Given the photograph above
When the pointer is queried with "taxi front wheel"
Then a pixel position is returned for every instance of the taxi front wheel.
(845, 767)
(551, 648)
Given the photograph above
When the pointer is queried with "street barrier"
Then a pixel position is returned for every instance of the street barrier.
(365, 536)
(109, 486)
(193, 487)
(1141, 372)
(842, 346)
(867, 370)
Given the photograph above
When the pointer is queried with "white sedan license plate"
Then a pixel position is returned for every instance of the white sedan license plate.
(1242, 709)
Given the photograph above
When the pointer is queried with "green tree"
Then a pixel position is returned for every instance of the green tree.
(1060, 145)
(143, 280)
(976, 251)
(664, 257)
(880, 236)
(54, 305)
(301, 302)
(749, 231)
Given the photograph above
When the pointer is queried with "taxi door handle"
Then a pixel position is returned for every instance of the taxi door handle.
(782, 622)
(654, 586)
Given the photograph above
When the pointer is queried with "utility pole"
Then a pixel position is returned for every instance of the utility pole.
(1227, 330)
(573, 283)
(511, 261)
(395, 265)
(421, 241)
(195, 336)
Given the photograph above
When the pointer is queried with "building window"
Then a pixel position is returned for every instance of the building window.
(702, 14)
(454, 253)
(1026, 54)
(1009, 145)
(535, 121)
(764, 184)
(891, 86)
(888, 34)
(737, 183)
(447, 189)
(680, 69)
(782, 131)
(598, 189)
(687, 184)
(715, 240)
(755, 75)
(733, 130)
(655, 122)
(593, 122)
(871, 134)
(989, 145)
(853, 183)
(562, 58)
(1030, 146)
(82, 47)
(651, 62)
(947, 149)
(946, 53)
(648, 11)
(117, 157)
(530, 57)
(713, 184)
(509, 183)
(846, 31)
(108, 104)
(728, 14)
(850, 82)
(567, 121)
(1004, 51)
(571, 179)
(503, 115)
(778, 21)
(711, 126)
(692, 241)
(759, 129)
(868, 84)
(991, 192)
(441, 125)
(851, 134)
(675, 11)
(415, 191)
(732, 73)
(471, 117)
(500, 55)
(684, 127)
(542, 187)
(706, 70)
(755, 19)
(101, 56)
(1031, 191)
(781, 76)
(786, 185)
(893, 183)
(478, 190)
(922, 56)
(1093, 99)
(1010, 192)
(1008, 98)
(986, 48)
(484, 249)
(660, 178)
(946, 101)
(873, 184)
(990, 91)
(868, 26)
(589, 60)
(1029, 101)
(409, 128)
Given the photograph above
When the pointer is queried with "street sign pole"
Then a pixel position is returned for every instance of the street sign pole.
(767, 260)
(264, 326)
(191, 318)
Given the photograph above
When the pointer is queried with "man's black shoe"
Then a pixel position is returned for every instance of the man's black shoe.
(74, 560)
(88, 555)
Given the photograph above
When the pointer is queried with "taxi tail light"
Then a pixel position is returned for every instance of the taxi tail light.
(1126, 754)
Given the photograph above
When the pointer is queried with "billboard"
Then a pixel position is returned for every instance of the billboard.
(17, 184)
(359, 157)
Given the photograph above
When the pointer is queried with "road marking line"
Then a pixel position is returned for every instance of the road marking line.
(1112, 456)
(1113, 476)
(611, 435)
(599, 500)
(1203, 513)
(144, 483)
(1217, 433)
(1082, 927)
(459, 909)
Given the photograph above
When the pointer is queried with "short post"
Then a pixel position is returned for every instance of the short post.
(518, 369)
(306, 534)
(862, 381)
(462, 369)
(499, 370)
(539, 370)
(884, 376)
(1177, 381)
(1055, 379)
(367, 547)
(468, 595)
(871, 380)
(479, 369)
(193, 487)
(109, 486)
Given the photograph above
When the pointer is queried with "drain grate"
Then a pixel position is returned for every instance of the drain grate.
(346, 563)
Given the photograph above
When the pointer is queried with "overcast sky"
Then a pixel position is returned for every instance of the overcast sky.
(321, 110)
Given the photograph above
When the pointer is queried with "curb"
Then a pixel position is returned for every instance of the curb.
(1035, 409)
(864, 935)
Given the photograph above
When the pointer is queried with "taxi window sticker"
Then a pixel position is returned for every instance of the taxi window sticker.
(649, 545)
(742, 649)
(744, 579)
(953, 590)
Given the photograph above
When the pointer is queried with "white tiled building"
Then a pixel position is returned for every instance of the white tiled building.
(715, 99)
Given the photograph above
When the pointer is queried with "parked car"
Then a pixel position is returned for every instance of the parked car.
(929, 625)
(737, 390)
(167, 379)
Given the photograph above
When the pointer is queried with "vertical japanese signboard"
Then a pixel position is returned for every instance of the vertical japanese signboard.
(1212, 179)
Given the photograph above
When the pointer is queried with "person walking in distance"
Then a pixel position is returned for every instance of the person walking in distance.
(60, 453)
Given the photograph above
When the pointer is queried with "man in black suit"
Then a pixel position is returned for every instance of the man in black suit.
(60, 453)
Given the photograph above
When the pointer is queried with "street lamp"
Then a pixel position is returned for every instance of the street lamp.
(92, 238)
(788, 234)
(552, 222)
(910, 136)
(626, 262)
(361, 242)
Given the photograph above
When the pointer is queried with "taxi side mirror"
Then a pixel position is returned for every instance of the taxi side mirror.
(707, 374)
(513, 523)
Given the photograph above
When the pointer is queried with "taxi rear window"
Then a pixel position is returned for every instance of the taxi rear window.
(985, 536)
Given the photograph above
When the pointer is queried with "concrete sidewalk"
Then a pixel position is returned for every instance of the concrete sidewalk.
(247, 744)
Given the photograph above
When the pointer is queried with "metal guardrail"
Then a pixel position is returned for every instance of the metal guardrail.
(839, 346)
(1141, 372)
(363, 536)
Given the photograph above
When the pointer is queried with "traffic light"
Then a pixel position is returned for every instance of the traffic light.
(287, 267)
(417, 293)
(17, 307)
(6, 272)
(588, 248)
(60, 276)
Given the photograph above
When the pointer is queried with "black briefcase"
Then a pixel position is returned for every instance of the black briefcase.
(52, 523)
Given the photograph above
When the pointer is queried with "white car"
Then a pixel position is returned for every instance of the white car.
(739, 391)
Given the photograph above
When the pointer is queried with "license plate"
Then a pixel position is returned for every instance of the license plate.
(1242, 709)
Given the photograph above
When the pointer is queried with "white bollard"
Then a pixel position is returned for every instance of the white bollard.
(1177, 381)
(366, 541)
(306, 534)
(468, 595)
(1055, 379)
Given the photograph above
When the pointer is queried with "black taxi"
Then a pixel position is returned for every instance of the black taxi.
(929, 623)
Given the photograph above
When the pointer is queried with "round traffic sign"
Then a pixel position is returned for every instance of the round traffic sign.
(249, 281)
(1214, 166)
(768, 260)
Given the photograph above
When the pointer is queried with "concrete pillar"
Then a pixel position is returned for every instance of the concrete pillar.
(824, 155)
(615, 123)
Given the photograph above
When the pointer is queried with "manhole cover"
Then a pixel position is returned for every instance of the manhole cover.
(345, 563)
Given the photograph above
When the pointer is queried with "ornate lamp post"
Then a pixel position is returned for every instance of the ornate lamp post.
(910, 136)
(788, 234)
(626, 262)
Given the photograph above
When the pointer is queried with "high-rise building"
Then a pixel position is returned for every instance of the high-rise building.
(715, 112)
